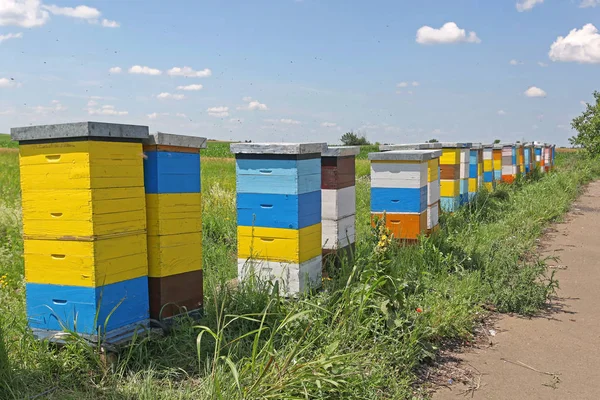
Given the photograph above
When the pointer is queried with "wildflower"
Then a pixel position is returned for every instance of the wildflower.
(419, 310)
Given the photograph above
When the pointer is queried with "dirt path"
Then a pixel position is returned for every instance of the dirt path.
(565, 342)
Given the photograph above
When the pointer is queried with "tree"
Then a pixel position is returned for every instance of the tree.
(352, 139)
(496, 141)
(587, 126)
(433, 141)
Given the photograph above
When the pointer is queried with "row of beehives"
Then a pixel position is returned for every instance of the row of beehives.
(113, 239)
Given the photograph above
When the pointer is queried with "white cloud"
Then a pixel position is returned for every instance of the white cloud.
(288, 121)
(402, 84)
(7, 83)
(580, 45)
(190, 87)
(542, 64)
(106, 110)
(220, 111)
(138, 69)
(448, 33)
(328, 124)
(110, 24)
(10, 36)
(25, 13)
(415, 83)
(153, 115)
(181, 115)
(526, 5)
(115, 70)
(253, 105)
(92, 103)
(56, 106)
(82, 12)
(515, 62)
(535, 92)
(189, 72)
(589, 3)
(501, 112)
(170, 96)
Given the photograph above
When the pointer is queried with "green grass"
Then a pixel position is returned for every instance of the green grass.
(362, 336)
(6, 142)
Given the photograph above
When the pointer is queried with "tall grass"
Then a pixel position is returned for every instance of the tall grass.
(361, 336)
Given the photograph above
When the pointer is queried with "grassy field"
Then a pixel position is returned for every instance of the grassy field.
(362, 336)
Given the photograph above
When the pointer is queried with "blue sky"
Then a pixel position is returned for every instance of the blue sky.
(289, 70)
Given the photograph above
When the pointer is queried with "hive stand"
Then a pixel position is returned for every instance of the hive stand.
(279, 213)
(454, 172)
(338, 201)
(488, 167)
(84, 229)
(174, 216)
(509, 163)
(399, 188)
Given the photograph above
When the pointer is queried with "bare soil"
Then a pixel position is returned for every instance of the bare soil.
(555, 355)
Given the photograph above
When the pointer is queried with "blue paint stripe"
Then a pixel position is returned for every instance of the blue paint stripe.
(464, 198)
(171, 172)
(278, 167)
(497, 175)
(279, 210)
(399, 200)
(473, 157)
(75, 306)
(450, 204)
(463, 186)
(278, 184)
(488, 176)
(538, 152)
(473, 171)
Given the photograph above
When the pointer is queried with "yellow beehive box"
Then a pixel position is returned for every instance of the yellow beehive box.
(278, 244)
(450, 156)
(174, 254)
(433, 172)
(174, 213)
(449, 188)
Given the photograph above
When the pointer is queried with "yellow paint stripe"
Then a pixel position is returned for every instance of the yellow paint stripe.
(472, 184)
(450, 157)
(174, 254)
(174, 213)
(449, 188)
(433, 170)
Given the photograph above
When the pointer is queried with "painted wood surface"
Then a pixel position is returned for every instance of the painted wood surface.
(174, 213)
(398, 175)
(488, 165)
(175, 294)
(473, 185)
(399, 200)
(450, 156)
(80, 165)
(450, 203)
(53, 307)
(86, 264)
(53, 214)
(276, 244)
(336, 204)
(171, 172)
(293, 278)
(433, 192)
(488, 176)
(433, 215)
(464, 171)
(449, 188)
(278, 184)
(473, 171)
(449, 172)
(403, 226)
(433, 170)
(339, 233)
(174, 254)
(338, 172)
(279, 210)
(277, 167)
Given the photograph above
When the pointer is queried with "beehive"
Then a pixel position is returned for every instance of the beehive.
(497, 155)
(433, 180)
(539, 158)
(509, 163)
(174, 218)
(527, 159)
(338, 200)
(399, 188)
(475, 168)
(547, 157)
(84, 228)
(553, 157)
(488, 167)
(279, 213)
(454, 172)
(521, 171)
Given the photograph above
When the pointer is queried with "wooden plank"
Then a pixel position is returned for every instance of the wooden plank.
(52, 307)
(433, 192)
(279, 210)
(339, 233)
(399, 175)
(276, 244)
(449, 188)
(450, 157)
(433, 215)
(175, 294)
(276, 167)
(433, 170)
(174, 213)
(399, 200)
(338, 204)
(450, 172)
(403, 226)
(87, 264)
(473, 185)
(174, 254)
(282, 184)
